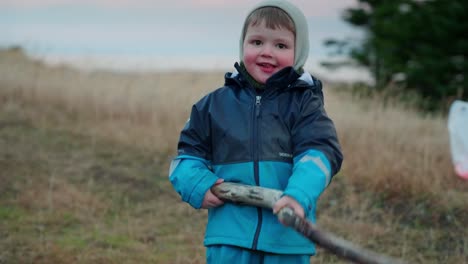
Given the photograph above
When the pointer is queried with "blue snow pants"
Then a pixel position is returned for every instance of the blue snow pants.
(220, 254)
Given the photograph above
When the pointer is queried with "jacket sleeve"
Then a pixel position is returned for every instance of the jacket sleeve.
(190, 172)
(191, 178)
(317, 153)
(195, 138)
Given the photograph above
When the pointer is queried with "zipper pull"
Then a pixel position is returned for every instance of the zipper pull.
(257, 104)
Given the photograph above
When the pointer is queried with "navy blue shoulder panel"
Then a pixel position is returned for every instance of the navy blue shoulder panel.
(219, 128)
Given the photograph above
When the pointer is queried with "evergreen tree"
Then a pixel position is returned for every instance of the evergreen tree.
(423, 41)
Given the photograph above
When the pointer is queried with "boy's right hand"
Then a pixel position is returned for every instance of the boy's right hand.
(210, 200)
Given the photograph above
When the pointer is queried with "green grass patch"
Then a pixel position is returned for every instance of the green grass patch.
(9, 213)
(78, 239)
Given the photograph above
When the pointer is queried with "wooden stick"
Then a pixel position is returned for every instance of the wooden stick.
(266, 198)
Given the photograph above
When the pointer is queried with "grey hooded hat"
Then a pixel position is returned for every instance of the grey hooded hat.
(300, 23)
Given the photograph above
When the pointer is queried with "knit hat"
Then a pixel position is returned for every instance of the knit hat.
(300, 24)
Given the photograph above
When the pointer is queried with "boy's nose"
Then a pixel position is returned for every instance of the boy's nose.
(266, 51)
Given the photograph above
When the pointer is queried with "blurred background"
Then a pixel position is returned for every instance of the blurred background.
(148, 35)
(93, 95)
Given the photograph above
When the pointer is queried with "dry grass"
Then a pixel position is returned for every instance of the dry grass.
(94, 148)
(394, 150)
(146, 108)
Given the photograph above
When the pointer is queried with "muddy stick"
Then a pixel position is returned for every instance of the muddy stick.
(266, 198)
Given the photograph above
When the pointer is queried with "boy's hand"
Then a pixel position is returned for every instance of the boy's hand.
(210, 200)
(287, 201)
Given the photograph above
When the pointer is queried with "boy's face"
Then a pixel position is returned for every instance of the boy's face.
(266, 51)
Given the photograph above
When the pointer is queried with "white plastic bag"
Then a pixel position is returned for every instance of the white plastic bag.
(458, 129)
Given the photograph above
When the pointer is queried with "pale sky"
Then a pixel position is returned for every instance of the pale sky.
(153, 34)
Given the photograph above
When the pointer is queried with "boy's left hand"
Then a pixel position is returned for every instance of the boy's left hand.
(288, 201)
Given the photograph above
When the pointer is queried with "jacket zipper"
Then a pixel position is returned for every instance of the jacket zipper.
(256, 145)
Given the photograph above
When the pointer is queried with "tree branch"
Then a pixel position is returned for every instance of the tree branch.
(266, 198)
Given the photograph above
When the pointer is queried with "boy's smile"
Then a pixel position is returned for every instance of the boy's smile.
(266, 51)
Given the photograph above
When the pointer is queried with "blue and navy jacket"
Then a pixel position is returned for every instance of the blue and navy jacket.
(280, 138)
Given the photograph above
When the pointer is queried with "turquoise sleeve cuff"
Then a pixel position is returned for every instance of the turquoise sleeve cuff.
(198, 193)
(191, 178)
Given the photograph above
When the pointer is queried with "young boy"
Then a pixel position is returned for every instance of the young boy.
(267, 127)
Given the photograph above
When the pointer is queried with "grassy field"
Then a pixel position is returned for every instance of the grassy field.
(84, 159)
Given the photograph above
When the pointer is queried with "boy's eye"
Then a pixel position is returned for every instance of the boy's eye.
(257, 42)
(281, 46)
